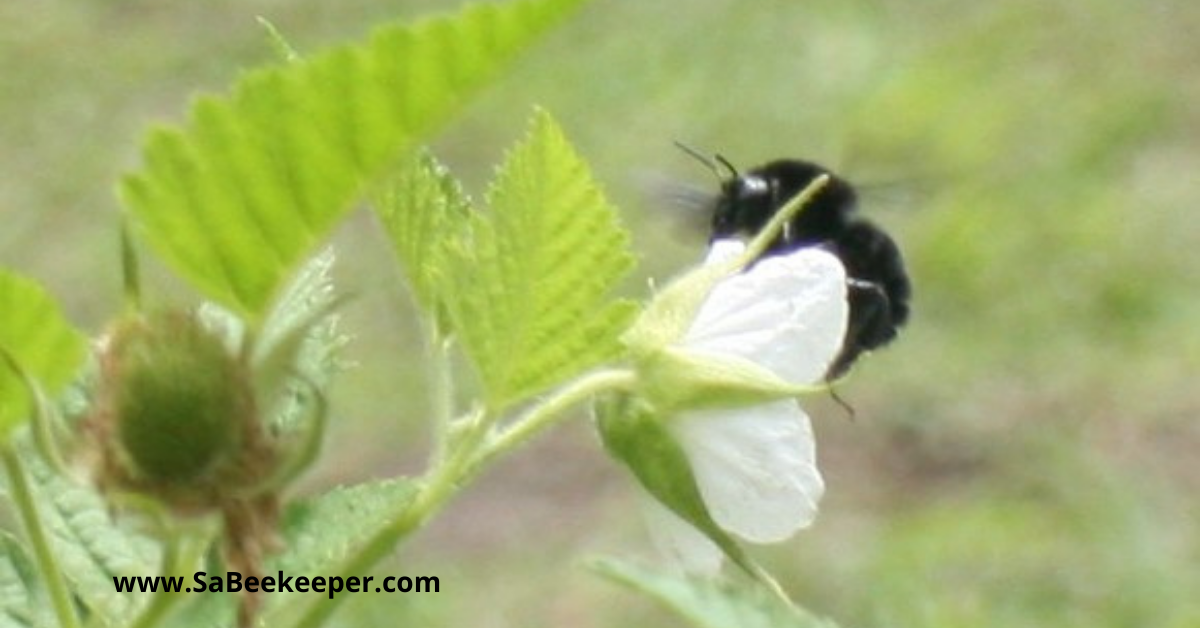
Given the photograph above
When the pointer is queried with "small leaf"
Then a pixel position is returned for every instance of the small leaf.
(22, 603)
(423, 209)
(636, 436)
(34, 333)
(706, 603)
(90, 547)
(301, 337)
(320, 532)
(532, 276)
(235, 198)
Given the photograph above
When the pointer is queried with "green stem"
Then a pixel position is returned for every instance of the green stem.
(442, 394)
(131, 278)
(22, 497)
(44, 414)
(548, 412)
(184, 545)
(774, 227)
(470, 454)
(433, 494)
(767, 580)
(161, 603)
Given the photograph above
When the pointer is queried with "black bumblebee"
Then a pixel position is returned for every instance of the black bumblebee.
(879, 289)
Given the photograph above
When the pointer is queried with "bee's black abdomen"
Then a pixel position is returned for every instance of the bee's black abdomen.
(868, 326)
(870, 254)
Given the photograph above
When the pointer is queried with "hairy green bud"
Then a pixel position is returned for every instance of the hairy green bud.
(177, 401)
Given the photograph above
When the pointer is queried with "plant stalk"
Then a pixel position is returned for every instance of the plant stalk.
(52, 577)
(470, 455)
(442, 393)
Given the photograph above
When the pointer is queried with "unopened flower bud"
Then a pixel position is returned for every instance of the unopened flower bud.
(176, 400)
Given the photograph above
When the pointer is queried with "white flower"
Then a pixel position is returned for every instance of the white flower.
(755, 466)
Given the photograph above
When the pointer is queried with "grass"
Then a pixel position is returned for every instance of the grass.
(1024, 455)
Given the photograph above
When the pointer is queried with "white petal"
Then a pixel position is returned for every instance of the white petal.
(786, 313)
(679, 541)
(723, 250)
(755, 467)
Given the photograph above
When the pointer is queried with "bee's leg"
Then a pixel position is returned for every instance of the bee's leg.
(870, 313)
(870, 324)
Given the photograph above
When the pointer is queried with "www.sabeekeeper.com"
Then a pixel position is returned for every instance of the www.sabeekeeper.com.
(233, 582)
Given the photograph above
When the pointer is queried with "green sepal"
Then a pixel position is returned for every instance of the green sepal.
(669, 315)
(636, 435)
(675, 378)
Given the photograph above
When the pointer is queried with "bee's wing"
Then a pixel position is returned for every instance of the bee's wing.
(891, 195)
(689, 208)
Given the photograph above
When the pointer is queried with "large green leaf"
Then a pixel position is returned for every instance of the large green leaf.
(532, 276)
(236, 197)
(707, 603)
(34, 333)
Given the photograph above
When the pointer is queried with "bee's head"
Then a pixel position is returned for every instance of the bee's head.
(745, 205)
(749, 200)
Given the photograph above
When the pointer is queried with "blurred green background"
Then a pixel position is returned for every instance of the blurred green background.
(1026, 454)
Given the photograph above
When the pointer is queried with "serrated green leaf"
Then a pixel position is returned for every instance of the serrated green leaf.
(320, 532)
(22, 603)
(708, 603)
(89, 545)
(530, 299)
(235, 198)
(34, 333)
(636, 436)
(424, 208)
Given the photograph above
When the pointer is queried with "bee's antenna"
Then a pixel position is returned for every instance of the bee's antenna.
(725, 162)
(704, 159)
(841, 402)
